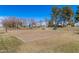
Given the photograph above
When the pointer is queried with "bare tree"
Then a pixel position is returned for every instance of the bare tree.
(11, 22)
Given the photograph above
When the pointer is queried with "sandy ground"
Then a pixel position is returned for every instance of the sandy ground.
(39, 34)
(44, 39)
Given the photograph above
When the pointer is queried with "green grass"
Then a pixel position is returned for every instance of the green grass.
(9, 43)
(72, 47)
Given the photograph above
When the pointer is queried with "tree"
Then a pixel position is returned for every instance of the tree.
(55, 14)
(77, 15)
(40, 23)
(67, 13)
(46, 21)
(5, 23)
(63, 14)
(11, 22)
(33, 23)
(50, 23)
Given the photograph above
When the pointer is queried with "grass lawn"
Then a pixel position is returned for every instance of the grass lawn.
(50, 47)
(40, 41)
(57, 42)
(72, 47)
(9, 43)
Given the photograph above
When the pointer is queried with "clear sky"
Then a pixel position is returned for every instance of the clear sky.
(36, 11)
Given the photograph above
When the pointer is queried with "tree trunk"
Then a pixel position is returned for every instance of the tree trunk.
(6, 29)
(55, 26)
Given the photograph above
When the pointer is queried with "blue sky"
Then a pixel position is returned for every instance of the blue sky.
(36, 11)
(25, 11)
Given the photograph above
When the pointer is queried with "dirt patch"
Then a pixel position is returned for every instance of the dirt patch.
(44, 40)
